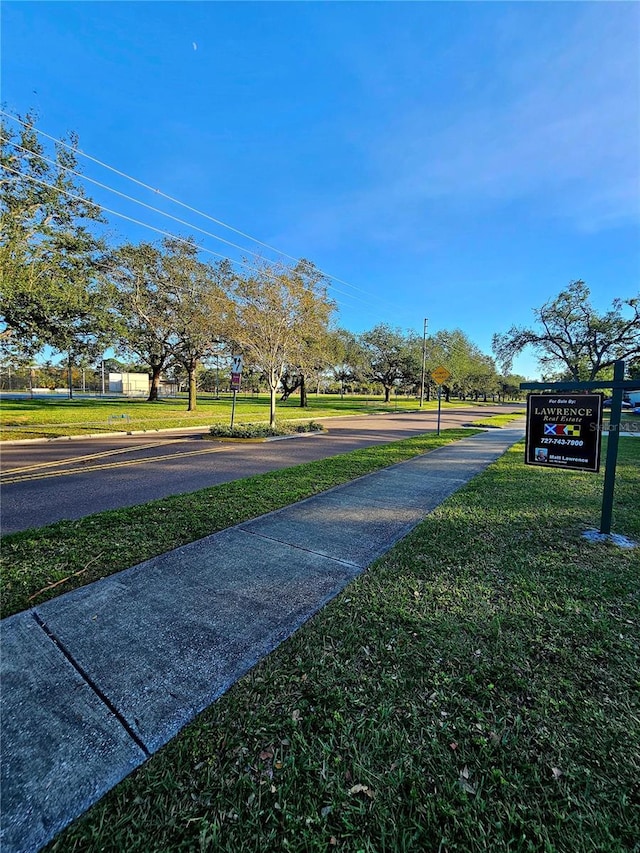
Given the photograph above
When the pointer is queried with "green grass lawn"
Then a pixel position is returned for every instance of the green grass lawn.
(499, 420)
(475, 690)
(48, 418)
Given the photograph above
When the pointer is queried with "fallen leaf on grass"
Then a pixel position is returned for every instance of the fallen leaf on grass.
(266, 754)
(463, 781)
(362, 789)
(557, 773)
(295, 716)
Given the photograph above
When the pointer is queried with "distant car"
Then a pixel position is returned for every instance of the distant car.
(606, 404)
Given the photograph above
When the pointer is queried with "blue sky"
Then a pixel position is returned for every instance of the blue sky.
(456, 161)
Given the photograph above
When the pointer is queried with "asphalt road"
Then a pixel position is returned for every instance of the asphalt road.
(47, 482)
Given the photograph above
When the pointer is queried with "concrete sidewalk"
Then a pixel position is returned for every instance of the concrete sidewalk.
(95, 681)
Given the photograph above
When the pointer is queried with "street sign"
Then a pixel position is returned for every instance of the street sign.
(564, 431)
(236, 372)
(440, 375)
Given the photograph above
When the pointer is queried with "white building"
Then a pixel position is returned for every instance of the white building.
(129, 384)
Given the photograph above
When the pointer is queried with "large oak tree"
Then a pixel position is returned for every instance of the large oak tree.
(146, 323)
(570, 335)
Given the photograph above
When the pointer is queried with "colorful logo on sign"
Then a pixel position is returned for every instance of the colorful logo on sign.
(562, 429)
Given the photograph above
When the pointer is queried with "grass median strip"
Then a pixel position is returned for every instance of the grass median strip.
(498, 420)
(475, 690)
(48, 561)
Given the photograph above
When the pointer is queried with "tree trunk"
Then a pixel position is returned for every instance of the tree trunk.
(69, 377)
(192, 389)
(272, 404)
(155, 383)
(387, 393)
(288, 389)
(303, 392)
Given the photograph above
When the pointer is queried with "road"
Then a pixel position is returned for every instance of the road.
(68, 479)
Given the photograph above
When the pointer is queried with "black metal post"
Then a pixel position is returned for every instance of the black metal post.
(612, 449)
(233, 407)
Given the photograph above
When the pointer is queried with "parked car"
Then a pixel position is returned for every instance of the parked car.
(606, 404)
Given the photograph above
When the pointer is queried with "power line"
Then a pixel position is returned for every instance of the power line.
(158, 210)
(136, 221)
(172, 199)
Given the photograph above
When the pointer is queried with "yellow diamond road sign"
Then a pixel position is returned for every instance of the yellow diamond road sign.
(440, 375)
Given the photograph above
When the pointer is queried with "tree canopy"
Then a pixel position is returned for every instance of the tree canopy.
(389, 356)
(62, 288)
(277, 314)
(49, 252)
(200, 305)
(145, 327)
(571, 336)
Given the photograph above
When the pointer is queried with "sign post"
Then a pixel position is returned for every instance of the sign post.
(236, 381)
(612, 449)
(439, 375)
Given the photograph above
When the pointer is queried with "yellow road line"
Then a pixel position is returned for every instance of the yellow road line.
(109, 466)
(38, 466)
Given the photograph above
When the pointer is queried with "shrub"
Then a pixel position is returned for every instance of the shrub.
(262, 430)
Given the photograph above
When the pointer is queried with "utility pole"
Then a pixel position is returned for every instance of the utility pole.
(424, 360)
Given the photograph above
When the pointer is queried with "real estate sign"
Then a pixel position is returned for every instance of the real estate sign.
(564, 430)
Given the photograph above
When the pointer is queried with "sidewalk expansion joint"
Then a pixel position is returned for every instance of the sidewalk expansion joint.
(91, 683)
(349, 563)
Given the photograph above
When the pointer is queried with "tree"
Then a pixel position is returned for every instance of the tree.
(310, 359)
(509, 387)
(482, 378)
(49, 254)
(200, 304)
(388, 357)
(346, 358)
(472, 372)
(573, 336)
(145, 306)
(279, 312)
